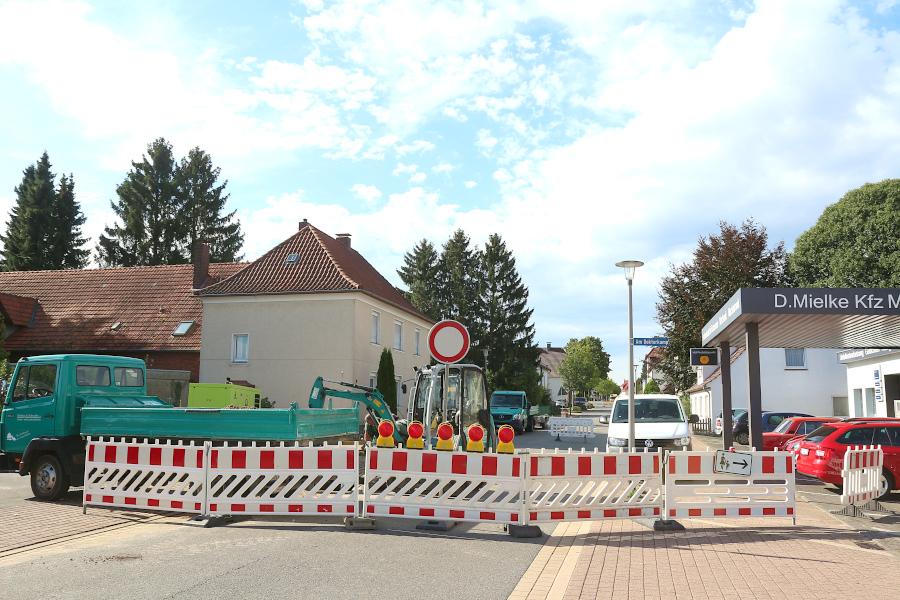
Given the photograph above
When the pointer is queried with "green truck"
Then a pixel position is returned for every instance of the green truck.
(222, 395)
(54, 402)
(513, 408)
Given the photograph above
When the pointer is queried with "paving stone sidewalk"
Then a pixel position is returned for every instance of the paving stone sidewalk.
(754, 558)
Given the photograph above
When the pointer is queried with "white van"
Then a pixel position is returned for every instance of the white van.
(659, 422)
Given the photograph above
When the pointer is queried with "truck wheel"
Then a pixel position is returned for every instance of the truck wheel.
(530, 424)
(48, 480)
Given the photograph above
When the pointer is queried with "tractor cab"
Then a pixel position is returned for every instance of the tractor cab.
(465, 402)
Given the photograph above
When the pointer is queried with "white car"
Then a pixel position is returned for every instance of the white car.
(659, 422)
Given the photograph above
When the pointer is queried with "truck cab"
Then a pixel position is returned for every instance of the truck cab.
(511, 408)
(41, 415)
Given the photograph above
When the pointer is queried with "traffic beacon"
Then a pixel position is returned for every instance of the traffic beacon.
(506, 434)
(385, 434)
(414, 432)
(475, 438)
(445, 436)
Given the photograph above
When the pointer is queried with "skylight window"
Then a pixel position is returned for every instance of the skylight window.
(115, 326)
(292, 258)
(183, 328)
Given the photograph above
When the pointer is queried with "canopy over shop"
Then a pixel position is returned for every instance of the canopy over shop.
(797, 318)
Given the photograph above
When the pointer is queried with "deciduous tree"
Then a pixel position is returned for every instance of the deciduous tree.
(585, 364)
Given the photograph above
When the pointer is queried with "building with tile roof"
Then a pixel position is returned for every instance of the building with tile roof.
(135, 311)
(550, 359)
(312, 306)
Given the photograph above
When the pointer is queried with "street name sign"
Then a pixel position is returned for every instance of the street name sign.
(704, 357)
(655, 341)
(448, 341)
(734, 463)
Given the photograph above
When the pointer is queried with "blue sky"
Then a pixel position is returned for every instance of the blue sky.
(582, 132)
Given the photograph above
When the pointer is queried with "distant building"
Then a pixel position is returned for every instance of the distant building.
(873, 382)
(550, 358)
(652, 362)
(809, 380)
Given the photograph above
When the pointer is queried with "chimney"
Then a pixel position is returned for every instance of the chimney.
(201, 264)
(344, 238)
(303, 224)
(548, 345)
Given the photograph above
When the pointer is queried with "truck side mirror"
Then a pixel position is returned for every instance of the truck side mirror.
(403, 387)
(693, 419)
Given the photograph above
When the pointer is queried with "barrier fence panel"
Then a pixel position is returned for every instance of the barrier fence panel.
(694, 489)
(862, 475)
(283, 479)
(572, 427)
(449, 486)
(593, 485)
(144, 474)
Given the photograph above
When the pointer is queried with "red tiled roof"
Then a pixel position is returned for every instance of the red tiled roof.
(18, 310)
(76, 308)
(323, 264)
(551, 358)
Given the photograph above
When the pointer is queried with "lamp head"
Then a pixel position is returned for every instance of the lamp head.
(630, 266)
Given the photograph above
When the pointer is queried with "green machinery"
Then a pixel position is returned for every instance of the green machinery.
(222, 395)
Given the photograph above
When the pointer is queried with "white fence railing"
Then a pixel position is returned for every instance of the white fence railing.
(572, 427)
(862, 475)
(694, 488)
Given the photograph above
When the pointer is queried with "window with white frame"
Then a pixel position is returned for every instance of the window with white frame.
(240, 347)
(795, 358)
(372, 380)
(376, 327)
(398, 335)
(417, 337)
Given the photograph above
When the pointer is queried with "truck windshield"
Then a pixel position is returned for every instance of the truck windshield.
(650, 410)
(506, 401)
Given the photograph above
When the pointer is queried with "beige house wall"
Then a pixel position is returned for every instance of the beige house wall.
(295, 338)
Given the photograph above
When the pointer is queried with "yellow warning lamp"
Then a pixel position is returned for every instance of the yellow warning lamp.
(506, 434)
(445, 437)
(414, 432)
(475, 438)
(385, 434)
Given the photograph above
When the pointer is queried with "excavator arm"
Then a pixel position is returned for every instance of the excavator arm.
(367, 396)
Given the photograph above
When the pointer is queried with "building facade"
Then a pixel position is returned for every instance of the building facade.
(809, 380)
(873, 382)
(310, 307)
(550, 359)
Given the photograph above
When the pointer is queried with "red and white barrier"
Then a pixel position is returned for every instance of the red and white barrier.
(593, 486)
(694, 489)
(143, 474)
(449, 486)
(862, 475)
(283, 480)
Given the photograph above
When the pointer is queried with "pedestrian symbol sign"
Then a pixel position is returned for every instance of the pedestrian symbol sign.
(735, 463)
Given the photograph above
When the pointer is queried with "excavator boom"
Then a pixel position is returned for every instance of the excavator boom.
(367, 396)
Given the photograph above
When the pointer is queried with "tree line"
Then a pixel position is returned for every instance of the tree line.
(163, 208)
(854, 243)
(481, 288)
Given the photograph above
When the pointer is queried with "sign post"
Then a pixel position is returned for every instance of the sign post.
(448, 343)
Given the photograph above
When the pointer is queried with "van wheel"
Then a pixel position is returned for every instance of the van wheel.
(887, 484)
(742, 438)
(48, 480)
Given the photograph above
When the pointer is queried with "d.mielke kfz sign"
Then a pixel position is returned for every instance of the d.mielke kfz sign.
(448, 341)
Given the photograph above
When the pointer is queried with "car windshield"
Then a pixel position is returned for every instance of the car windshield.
(820, 434)
(784, 426)
(506, 401)
(650, 410)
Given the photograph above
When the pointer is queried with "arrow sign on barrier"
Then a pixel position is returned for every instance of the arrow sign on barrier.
(734, 463)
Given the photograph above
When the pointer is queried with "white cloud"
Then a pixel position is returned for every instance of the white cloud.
(404, 169)
(443, 167)
(418, 177)
(367, 193)
(470, 184)
(414, 147)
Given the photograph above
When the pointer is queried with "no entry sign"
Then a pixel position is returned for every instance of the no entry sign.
(448, 341)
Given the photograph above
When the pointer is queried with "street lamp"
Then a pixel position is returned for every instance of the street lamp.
(630, 267)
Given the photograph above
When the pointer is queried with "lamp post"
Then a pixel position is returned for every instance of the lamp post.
(630, 266)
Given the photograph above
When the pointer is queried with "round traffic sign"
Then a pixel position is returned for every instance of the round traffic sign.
(448, 341)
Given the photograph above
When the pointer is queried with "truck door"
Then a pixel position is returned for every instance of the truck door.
(31, 411)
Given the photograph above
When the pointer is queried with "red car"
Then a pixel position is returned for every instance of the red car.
(822, 451)
(791, 428)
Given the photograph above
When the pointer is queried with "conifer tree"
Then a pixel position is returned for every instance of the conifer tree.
(420, 274)
(147, 208)
(385, 380)
(44, 227)
(202, 202)
(457, 285)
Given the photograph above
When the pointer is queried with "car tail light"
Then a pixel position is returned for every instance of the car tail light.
(821, 453)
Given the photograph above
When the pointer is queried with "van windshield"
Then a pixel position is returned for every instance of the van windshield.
(650, 410)
(506, 401)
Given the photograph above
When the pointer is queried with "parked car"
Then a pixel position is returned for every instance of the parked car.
(735, 415)
(580, 401)
(770, 420)
(822, 451)
(659, 422)
(791, 428)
